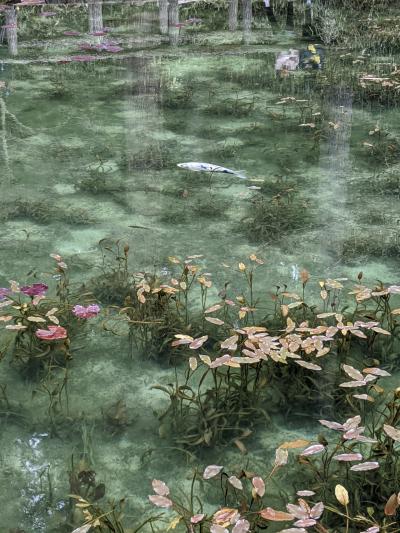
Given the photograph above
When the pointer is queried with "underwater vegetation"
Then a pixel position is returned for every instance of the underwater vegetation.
(240, 355)
(239, 106)
(43, 213)
(270, 218)
(231, 362)
(176, 94)
(99, 183)
(361, 244)
(155, 156)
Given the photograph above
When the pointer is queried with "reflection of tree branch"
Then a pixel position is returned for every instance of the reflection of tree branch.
(233, 15)
(10, 120)
(8, 175)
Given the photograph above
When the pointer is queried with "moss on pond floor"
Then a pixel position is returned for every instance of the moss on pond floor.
(100, 165)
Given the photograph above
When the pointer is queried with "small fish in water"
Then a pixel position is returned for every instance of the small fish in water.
(254, 188)
(208, 167)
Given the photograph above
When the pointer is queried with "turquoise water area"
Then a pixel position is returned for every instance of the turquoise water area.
(89, 151)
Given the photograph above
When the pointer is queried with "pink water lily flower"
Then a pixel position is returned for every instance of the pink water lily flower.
(86, 312)
(53, 333)
(34, 290)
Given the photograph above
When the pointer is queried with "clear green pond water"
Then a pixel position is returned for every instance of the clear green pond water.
(89, 151)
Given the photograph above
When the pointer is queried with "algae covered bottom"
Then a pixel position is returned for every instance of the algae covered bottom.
(99, 105)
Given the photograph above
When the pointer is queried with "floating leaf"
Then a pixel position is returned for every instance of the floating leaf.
(293, 305)
(308, 365)
(160, 501)
(198, 343)
(325, 315)
(225, 516)
(369, 440)
(362, 467)
(220, 361)
(331, 425)
(342, 495)
(353, 373)
(352, 423)
(281, 457)
(312, 450)
(305, 522)
(36, 319)
(317, 510)
(216, 321)
(275, 516)
(212, 471)
(365, 397)
(205, 359)
(215, 528)
(376, 372)
(300, 443)
(235, 482)
(160, 487)
(380, 330)
(391, 505)
(241, 526)
(298, 511)
(230, 343)
(351, 384)
(192, 363)
(195, 519)
(213, 308)
(259, 486)
(348, 457)
(293, 530)
(392, 432)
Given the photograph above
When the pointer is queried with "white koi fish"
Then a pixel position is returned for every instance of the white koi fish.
(208, 167)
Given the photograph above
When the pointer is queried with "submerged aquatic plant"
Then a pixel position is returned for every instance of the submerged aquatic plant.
(40, 328)
(370, 498)
(270, 219)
